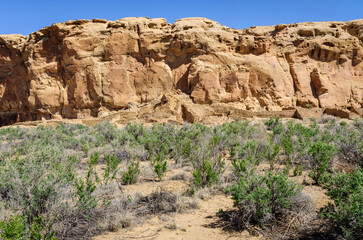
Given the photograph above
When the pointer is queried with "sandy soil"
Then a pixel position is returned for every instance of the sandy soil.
(197, 224)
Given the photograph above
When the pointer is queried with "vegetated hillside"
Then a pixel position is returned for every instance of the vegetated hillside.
(89, 68)
(247, 180)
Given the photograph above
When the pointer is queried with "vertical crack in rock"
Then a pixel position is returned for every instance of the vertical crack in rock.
(317, 86)
(139, 44)
(292, 72)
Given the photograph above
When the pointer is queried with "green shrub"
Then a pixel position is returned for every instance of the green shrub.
(262, 198)
(247, 156)
(343, 123)
(11, 134)
(71, 129)
(234, 128)
(301, 131)
(321, 154)
(14, 228)
(159, 162)
(32, 184)
(275, 125)
(207, 172)
(66, 171)
(94, 159)
(287, 144)
(107, 130)
(346, 189)
(232, 131)
(350, 146)
(242, 167)
(302, 147)
(309, 105)
(135, 130)
(186, 138)
(42, 229)
(35, 201)
(272, 153)
(358, 123)
(298, 170)
(160, 167)
(132, 173)
(207, 161)
(252, 150)
(111, 168)
(84, 189)
(296, 141)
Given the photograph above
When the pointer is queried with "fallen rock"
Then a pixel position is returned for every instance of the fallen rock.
(342, 113)
(306, 113)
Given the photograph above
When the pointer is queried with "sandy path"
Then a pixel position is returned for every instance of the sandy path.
(195, 224)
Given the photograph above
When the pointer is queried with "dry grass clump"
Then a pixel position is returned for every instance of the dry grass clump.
(298, 217)
(161, 201)
(109, 216)
(326, 118)
(289, 223)
(169, 222)
(207, 192)
(183, 176)
(120, 213)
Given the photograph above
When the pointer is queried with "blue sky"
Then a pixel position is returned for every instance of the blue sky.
(28, 16)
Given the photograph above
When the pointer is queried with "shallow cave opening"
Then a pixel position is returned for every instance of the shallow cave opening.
(8, 118)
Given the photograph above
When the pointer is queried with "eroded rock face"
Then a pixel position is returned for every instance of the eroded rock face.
(85, 68)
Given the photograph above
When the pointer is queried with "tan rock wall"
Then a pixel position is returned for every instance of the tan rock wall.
(84, 68)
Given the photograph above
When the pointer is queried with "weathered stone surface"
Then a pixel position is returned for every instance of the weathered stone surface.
(305, 113)
(90, 68)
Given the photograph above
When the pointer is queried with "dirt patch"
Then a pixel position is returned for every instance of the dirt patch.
(196, 224)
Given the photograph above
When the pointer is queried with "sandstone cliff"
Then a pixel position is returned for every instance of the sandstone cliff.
(194, 70)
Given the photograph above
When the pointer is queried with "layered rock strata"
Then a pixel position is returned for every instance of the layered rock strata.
(92, 68)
